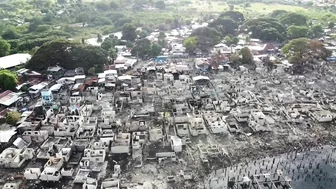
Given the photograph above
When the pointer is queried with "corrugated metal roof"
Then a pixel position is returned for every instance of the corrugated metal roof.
(8, 97)
(14, 60)
(6, 135)
(20, 143)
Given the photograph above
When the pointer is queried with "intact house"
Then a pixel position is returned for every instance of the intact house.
(55, 71)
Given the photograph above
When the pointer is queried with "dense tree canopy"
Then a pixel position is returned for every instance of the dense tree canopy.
(231, 41)
(233, 15)
(266, 29)
(162, 39)
(129, 32)
(303, 49)
(297, 32)
(292, 18)
(224, 25)
(10, 33)
(206, 37)
(190, 44)
(144, 49)
(68, 55)
(160, 5)
(110, 42)
(305, 54)
(317, 31)
(4, 47)
(8, 80)
(278, 13)
(156, 49)
(246, 56)
(331, 25)
(12, 117)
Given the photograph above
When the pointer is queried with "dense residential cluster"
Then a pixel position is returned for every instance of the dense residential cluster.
(227, 101)
(168, 122)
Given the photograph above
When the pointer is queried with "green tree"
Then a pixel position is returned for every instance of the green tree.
(112, 54)
(293, 19)
(42, 28)
(155, 50)
(99, 38)
(233, 15)
(102, 6)
(61, 1)
(231, 7)
(331, 25)
(227, 40)
(83, 18)
(295, 47)
(297, 32)
(278, 13)
(34, 50)
(160, 5)
(317, 31)
(234, 40)
(114, 5)
(143, 34)
(12, 117)
(162, 39)
(304, 53)
(142, 48)
(68, 55)
(303, 49)
(206, 37)
(224, 25)
(92, 71)
(34, 23)
(8, 80)
(234, 59)
(190, 44)
(129, 32)
(10, 33)
(4, 48)
(265, 29)
(110, 42)
(247, 57)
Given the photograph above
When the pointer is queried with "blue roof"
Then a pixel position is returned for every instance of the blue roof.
(46, 93)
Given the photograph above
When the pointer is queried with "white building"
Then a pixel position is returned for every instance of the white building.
(52, 170)
(14, 158)
(36, 136)
(197, 126)
(32, 173)
(156, 134)
(215, 122)
(258, 121)
(13, 60)
(182, 129)
(90, 183)
(94, 155)
(176, 144)
(64, 130)
(88, 127)
(322, 116)
(121, 143)
(112, 184)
